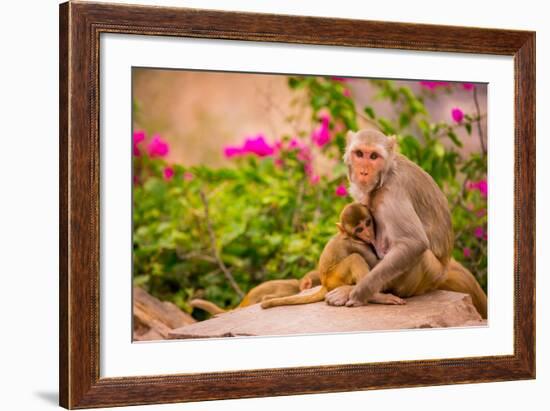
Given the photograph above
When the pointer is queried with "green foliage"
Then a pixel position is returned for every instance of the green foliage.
(269, 216)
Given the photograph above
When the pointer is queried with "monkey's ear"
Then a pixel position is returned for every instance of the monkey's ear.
(349, 136)
(340, 228)
(392, 142)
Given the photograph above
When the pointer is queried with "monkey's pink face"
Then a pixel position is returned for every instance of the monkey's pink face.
(367, 162)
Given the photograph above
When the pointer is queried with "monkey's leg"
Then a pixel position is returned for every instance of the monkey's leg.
(425, 276)
(350, 270)
(459, 279)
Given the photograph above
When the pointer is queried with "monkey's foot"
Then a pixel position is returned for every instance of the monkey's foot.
(339, 296)
(383, 298)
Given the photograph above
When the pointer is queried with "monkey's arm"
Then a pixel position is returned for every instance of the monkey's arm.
(365, 251)
(407, 240)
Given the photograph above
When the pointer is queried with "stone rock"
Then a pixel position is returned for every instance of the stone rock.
(154, 319)
(433, 310)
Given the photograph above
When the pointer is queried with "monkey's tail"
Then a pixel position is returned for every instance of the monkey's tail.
(461, 280)
(207, 306)
(296, 299)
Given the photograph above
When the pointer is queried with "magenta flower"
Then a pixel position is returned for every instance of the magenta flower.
(168, 173)
(138, 137)
(467, 252)
(232, 151)
(321, 135)
(257, 146)
(347, 92)
(480, 185)
(479, 232)
(314, 179)
(457, 114)
(341, 191)
(341, 79)
(304, 155)
(158, 147)
(432, 85)
(295, 144)
(468, 86)
(187, 176)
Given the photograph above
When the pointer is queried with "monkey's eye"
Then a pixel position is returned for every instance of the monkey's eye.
(374, 156)
(367, 223)
(358, 230)
(359, 153)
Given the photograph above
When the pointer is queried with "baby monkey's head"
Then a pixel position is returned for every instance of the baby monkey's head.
(356, 222)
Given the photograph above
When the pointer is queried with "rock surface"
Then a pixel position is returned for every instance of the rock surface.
(433, 310)
(154, 319)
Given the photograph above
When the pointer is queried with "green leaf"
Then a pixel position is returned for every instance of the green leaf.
(454, 138)
(468, 128)
(404, 120)
(370, 112)
(386, 125)
(439, 150)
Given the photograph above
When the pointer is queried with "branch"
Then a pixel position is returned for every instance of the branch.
(299, 199)
(215, 250)
(448, 127)
(481, 137)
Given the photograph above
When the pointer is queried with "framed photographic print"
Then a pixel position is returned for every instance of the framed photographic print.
(242, 193)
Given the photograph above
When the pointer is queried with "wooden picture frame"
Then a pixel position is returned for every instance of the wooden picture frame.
(80, 27)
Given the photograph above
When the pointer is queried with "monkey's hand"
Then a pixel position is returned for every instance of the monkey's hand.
(357, 297)
(339, 296)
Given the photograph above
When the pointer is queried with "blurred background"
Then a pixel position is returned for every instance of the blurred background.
(238, 178)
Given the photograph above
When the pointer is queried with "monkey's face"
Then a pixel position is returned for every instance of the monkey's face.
(367, 163)
(357, 222)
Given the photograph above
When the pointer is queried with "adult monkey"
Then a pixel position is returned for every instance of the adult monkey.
(414, 233)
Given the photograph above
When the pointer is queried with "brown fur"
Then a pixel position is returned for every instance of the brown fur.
(265, 290)
(414, 233)
(343, 261)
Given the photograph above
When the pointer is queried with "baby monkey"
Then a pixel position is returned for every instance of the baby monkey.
(345, 260)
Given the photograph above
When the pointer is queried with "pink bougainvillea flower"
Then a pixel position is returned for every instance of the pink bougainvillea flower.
(321, 135)
(304, 155)
(468, 86)
(481, 213)
(480, 185)
(467, 252)
(279, 163)
(341, 79)
(347, 92)
(341, 191)
(252, 145)
(187, 176)
(314, 179)
(457, 114)
(432, 85)
(168, 173)
(258, 146)
(295, 144)
(230, 151)
(158, 147)
(137, 138)
(479, 232)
